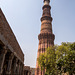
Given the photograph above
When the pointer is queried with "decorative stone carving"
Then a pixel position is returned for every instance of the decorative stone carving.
(2, 58)
(8, 40)
(9, 64)
(21, 68)
(15, 66)
(18, 67)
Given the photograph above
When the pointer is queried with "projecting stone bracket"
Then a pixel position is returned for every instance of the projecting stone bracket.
(46, 35)
(46, 6)
(46, 18)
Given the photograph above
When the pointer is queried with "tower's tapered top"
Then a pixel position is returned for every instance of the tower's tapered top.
(46, 19)
(46, 2)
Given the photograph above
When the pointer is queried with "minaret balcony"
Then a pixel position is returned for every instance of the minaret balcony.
(46, 6)
(46, 18)
(46, 36)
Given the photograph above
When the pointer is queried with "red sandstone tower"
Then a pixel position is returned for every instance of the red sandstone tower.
(46, 36)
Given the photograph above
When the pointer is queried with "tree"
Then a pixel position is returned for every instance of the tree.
(66, 58)
(47, 61)
(58, 59)
(41, 61)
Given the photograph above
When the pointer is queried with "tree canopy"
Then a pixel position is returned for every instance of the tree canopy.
(47, 61)
(66, 58)
(58, 59)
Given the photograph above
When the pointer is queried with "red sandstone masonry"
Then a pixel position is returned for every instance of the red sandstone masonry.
(46, 36)
(8, 34)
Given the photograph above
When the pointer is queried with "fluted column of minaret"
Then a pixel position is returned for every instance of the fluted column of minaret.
(46, 20)
(46, 36)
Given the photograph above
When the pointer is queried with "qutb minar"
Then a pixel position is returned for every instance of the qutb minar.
(46, 36)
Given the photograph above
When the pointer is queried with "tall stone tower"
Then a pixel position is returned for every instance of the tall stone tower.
(46, 36)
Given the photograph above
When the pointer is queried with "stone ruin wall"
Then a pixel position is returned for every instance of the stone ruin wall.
(8, 34)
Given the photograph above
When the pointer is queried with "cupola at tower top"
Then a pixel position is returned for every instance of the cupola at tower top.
(46, 2)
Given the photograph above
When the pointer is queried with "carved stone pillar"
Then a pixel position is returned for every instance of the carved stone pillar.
(15, 66)
(8, 72)
(28, 73)
(22, 72)
(2, 58)
(20, 69)
(18, 65)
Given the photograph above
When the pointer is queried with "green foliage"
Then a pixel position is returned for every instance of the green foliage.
(47, 61)
(41, 61)
(66, 58)
(58, 59)
(50, 60)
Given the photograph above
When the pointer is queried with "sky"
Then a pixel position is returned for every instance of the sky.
(24, 18)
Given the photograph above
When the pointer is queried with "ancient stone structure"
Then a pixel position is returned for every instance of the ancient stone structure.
(32, 71)
(11, 55)
(27, 70)
(46, 36)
